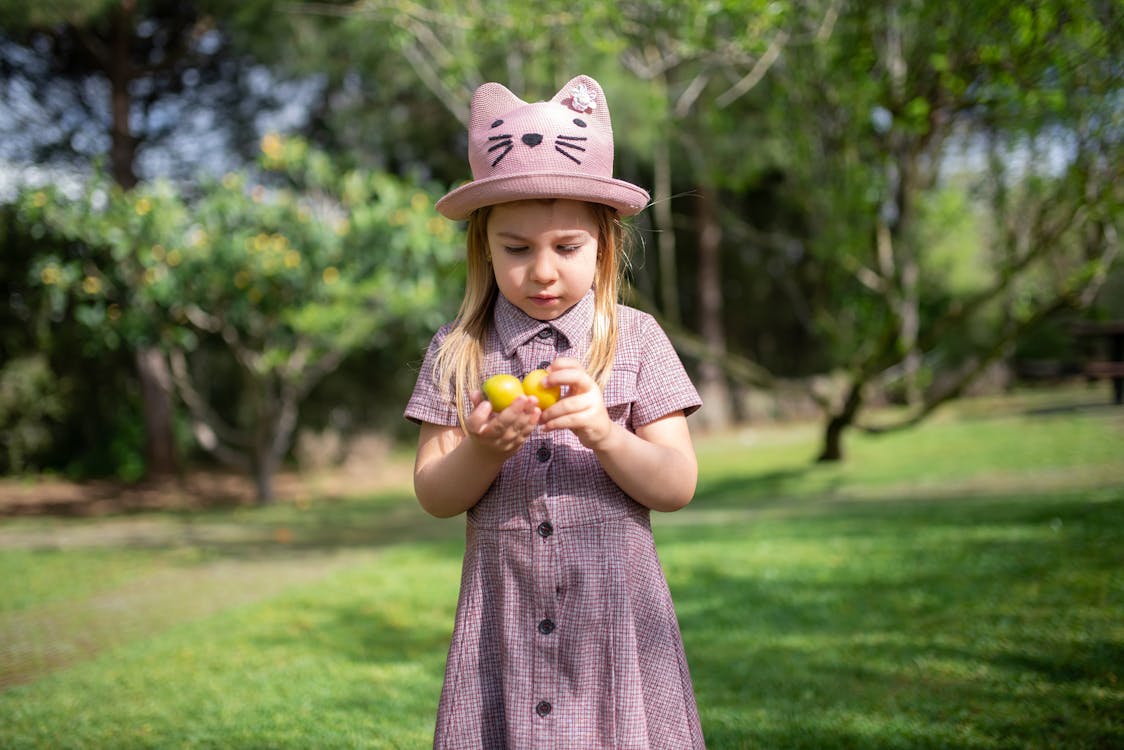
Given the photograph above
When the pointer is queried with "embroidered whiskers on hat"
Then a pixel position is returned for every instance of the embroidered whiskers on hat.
(562, 148)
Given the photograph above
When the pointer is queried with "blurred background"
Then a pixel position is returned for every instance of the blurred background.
(219, 247)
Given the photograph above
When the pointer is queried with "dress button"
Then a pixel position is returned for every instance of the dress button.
(546, 528)
(546, 333)
(543, 709)
(546, 627)
(544, 364)
(543, 454)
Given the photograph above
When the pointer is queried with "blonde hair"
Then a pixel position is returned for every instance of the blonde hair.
(460, 356)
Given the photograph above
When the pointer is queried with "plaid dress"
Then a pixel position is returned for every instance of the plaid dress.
(565, 634)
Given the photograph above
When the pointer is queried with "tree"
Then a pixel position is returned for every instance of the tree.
(115, 78)
(886, 100)
(285, 278)
(682, 51)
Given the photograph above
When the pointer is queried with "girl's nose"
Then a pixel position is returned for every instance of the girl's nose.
(543, 269)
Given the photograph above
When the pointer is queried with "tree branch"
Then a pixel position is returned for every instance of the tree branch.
(741, 369)
(201, 411)
(968, 376)
(827, 26)
(1069, 298)
(960, 311)
(756, 73)
(456, 103)
(688, 98)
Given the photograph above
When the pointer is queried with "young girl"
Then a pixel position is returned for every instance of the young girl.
(565, 633)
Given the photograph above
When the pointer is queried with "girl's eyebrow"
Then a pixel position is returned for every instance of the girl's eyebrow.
(566, 237)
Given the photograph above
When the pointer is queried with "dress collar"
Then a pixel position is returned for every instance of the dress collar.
(516, 327)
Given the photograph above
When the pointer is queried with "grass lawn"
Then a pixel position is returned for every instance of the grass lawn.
(955, 586)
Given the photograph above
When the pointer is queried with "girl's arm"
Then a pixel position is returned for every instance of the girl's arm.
(656, 465)
(453, 469)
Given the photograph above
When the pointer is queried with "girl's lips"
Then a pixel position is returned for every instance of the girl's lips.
(544, 299)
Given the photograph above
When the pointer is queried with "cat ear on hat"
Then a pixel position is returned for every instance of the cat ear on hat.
(490, 101)
(584, 96)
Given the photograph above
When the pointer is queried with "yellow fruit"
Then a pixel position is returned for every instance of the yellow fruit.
(502, 390)
(532, 386)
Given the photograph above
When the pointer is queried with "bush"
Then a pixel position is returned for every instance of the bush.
(31, 402)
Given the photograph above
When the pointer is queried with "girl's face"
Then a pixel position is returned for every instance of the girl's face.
(544, 254)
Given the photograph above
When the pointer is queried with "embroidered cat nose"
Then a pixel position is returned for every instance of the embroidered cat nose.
(532, 139)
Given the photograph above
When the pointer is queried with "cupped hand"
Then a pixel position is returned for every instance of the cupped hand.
(502, 432)
(582, 409)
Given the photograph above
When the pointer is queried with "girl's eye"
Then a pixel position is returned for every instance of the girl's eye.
(514, 249)
(569, 248)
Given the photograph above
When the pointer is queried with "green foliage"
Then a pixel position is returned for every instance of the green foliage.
(803, 164)
(31, 402)
(291, 271)
(271, 262)
(113, 268)
(950, 228)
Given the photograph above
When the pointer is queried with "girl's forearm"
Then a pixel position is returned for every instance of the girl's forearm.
(658, 476)
(449, 484)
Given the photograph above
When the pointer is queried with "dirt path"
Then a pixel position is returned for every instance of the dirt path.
(51, 496)
(45, 638)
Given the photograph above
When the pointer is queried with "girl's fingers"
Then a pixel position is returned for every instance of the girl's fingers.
(565, 363)
(506, 430)
(576, 381)
(566, 413)
(478, 417)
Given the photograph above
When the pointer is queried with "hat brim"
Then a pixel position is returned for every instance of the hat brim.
(626, 198)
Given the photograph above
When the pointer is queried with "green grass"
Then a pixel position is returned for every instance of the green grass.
(955, 586)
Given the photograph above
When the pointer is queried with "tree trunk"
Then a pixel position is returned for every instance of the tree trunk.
(156, 398)
(123, 146)
(713, 387)
(665, 225)
(838, 423)
(264, 469)
(152, 367)
(283, 410)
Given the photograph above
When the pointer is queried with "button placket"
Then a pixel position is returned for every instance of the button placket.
(538, 353)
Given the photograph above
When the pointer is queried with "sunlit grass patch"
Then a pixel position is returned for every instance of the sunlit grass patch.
(353, 661)
(964, 622)
(954, 586)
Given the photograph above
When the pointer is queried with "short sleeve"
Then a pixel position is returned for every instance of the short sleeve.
(662, 383)
(426, 404)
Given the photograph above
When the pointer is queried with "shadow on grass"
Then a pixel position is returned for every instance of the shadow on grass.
(764, 489)
(364, 633)
(951, 622)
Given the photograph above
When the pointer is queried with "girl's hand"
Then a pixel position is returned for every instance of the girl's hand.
(582, 410)
(502, 433)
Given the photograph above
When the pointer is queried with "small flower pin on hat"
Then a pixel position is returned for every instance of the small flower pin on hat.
(582, 99)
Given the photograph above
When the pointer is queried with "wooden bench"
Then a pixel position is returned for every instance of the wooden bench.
(1112, 368)
(1104, 370)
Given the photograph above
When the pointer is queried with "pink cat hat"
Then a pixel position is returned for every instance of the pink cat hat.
(562, 148)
